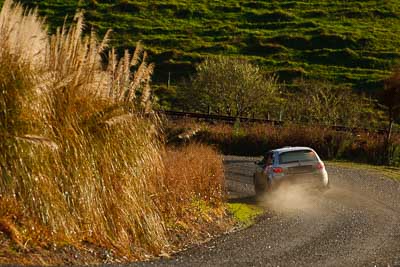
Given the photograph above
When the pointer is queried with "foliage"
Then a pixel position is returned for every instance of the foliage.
(321, 102)
(229, 86)
(81, 160)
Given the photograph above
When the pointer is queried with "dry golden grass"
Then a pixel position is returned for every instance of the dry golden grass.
(194, 172)
(194, 184)
(79, 160)
(80, 179)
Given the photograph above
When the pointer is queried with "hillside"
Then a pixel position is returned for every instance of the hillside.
(354, 42)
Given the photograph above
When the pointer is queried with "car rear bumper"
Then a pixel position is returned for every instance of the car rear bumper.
(317, 180)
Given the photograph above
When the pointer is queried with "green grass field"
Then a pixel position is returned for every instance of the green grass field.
(352, 42)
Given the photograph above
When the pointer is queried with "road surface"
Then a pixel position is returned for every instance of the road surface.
(355, 223)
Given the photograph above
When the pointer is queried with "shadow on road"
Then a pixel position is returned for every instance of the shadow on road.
(246, 200)
(230, 161)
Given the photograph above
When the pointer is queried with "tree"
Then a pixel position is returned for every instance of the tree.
(390, 98)
(229, 86)
(326, 103)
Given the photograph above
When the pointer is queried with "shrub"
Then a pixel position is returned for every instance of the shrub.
(325, 103)
(194, 174)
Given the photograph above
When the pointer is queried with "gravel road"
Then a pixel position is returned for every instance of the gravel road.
(355, 223)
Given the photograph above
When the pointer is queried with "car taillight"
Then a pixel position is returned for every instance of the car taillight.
(277, 170)
(320, 166)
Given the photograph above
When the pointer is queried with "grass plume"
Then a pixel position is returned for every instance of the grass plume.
(78, 157)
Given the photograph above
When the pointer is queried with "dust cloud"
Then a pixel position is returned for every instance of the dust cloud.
(293, 198)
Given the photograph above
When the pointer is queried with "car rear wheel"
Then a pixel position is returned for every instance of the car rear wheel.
(259, 189)
(261, 186)
(324, 188)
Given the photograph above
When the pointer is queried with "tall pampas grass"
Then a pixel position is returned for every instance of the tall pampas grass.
(77, 156)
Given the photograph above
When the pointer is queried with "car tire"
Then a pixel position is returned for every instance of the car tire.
(325, 188)
(261, 188)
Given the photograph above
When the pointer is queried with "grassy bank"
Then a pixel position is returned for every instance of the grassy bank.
(391, 172)
(85, 176)
(351, 42)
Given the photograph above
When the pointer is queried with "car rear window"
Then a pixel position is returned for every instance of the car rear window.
(296, 156)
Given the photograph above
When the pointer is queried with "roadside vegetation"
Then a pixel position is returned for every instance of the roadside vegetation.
(245, 214)
(85, 175)
(255, 139)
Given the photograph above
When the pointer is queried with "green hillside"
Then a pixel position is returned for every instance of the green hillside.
(354, 42)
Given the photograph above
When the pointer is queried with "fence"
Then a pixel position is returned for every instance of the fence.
(177, 115)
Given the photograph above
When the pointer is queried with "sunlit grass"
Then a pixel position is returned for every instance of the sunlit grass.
(311, 34)
(391, 172)
(244, 214)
